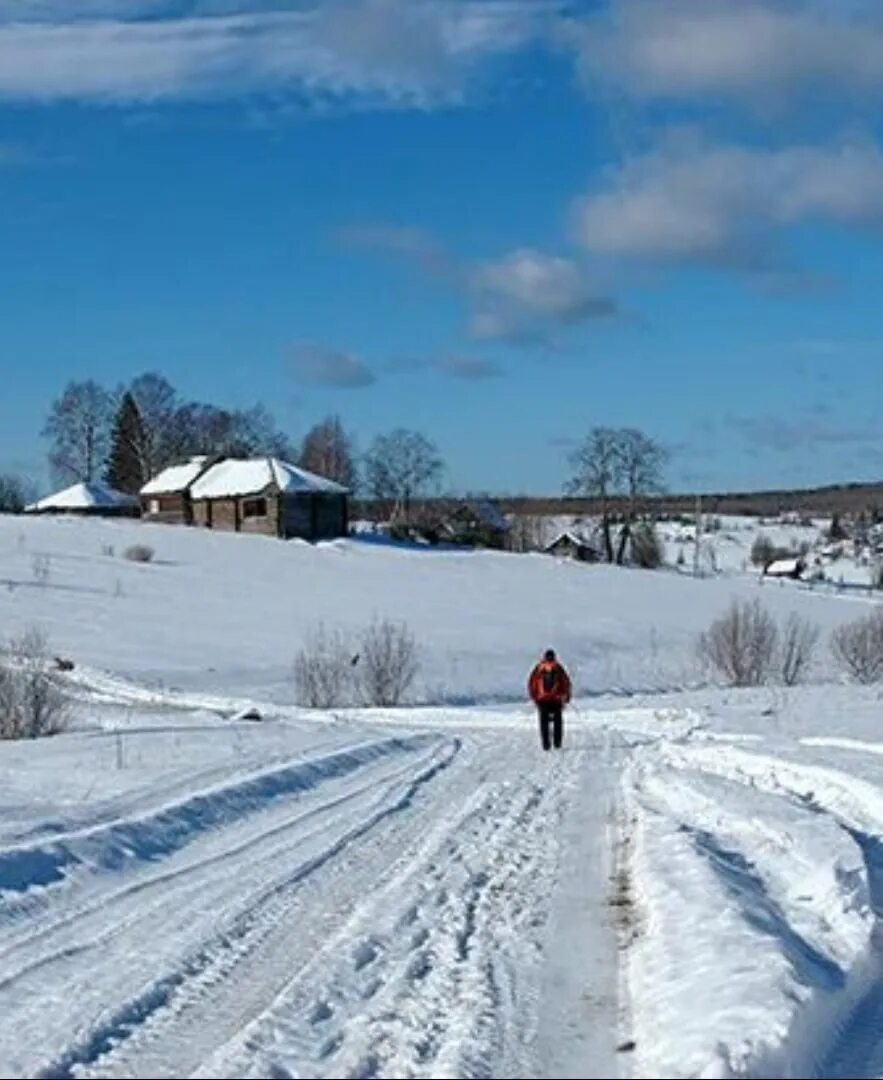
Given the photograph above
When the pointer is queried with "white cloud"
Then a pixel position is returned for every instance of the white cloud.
(764, 51)
(380, 51)
(315, 363)
(727, 204)
(539, 284)
(523, 296)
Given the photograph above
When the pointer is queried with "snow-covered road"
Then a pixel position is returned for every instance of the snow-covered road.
(398, 906)
(685, 890)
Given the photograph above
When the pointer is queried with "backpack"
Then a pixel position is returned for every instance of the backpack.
(550, 678)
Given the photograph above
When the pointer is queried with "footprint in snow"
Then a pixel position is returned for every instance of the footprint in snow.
(364, 954)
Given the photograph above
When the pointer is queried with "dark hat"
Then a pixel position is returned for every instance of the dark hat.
(549, 654)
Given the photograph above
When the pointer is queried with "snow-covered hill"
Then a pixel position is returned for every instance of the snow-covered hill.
(229, 612)
(690, 888)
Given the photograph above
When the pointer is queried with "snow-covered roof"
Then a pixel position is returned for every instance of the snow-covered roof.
(94, 496)
(573, 537)
(236, 476)
(175, 478)
(784, 566)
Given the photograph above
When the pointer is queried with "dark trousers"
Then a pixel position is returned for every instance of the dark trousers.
(551, 717)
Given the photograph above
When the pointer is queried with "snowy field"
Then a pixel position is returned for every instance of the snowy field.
(691, 888)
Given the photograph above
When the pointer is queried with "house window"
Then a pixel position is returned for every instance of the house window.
(253, 508)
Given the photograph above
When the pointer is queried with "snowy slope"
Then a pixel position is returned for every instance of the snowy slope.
(692, 888)
(230, 611)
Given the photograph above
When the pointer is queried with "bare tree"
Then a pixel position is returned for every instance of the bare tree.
(799, 638)
(388, 663)
(617, 465)
(646, 546)
(640, 467)
(400, 466)
(79, 427)
(763, 551)
(160, 436)
(32, 703)
(323, 668)
(741, 644)
(327, 450)
(527, 532)
(207, 429)
(858, 647)
(597, 465)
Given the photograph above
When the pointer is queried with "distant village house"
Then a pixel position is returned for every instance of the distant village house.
(571, 545)
(256, 495)
(87, 500)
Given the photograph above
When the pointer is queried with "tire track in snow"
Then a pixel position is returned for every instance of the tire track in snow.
(427, 969)
(841, 1038)
(248, 896)
(428, 978)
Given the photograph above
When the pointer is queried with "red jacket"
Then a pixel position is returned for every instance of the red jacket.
(561, 688)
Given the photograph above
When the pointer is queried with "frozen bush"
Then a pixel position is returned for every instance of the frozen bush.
(323, 669)
(32, 703)
(798, 641)
(139, 553)
(763, 551)
(741, 644)
(388, 663)
(646, 547)
(858, 647)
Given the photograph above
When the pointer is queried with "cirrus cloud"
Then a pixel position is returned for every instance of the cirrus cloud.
(368, 52)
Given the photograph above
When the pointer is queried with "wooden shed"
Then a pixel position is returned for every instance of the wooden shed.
(166, 497)
(269, 496)
(570, 545)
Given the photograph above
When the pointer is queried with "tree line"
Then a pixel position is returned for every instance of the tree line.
(126, 436)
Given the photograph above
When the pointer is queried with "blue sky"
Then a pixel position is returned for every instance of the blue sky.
(500, 222)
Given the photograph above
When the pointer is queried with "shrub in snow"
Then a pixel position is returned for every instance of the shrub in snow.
(741, 644)
(858, 647)
(646, 546)
(31, 702)
(796, 647)
(763, 550)
(139, 553)
(387, 663)
(323, 669)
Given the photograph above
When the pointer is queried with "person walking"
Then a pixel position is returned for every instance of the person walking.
(549, 687)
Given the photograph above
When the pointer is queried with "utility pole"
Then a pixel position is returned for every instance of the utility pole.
(698, 536)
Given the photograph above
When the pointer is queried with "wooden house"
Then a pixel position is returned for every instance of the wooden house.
(571, 545)
(166, 497)
(269, 496)
(477, 522)
(87, 500)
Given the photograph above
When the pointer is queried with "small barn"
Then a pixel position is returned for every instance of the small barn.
(785, 568)
(571, 545)
(87, 500)
(166, 497)
(269, 496)
(478, 522)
